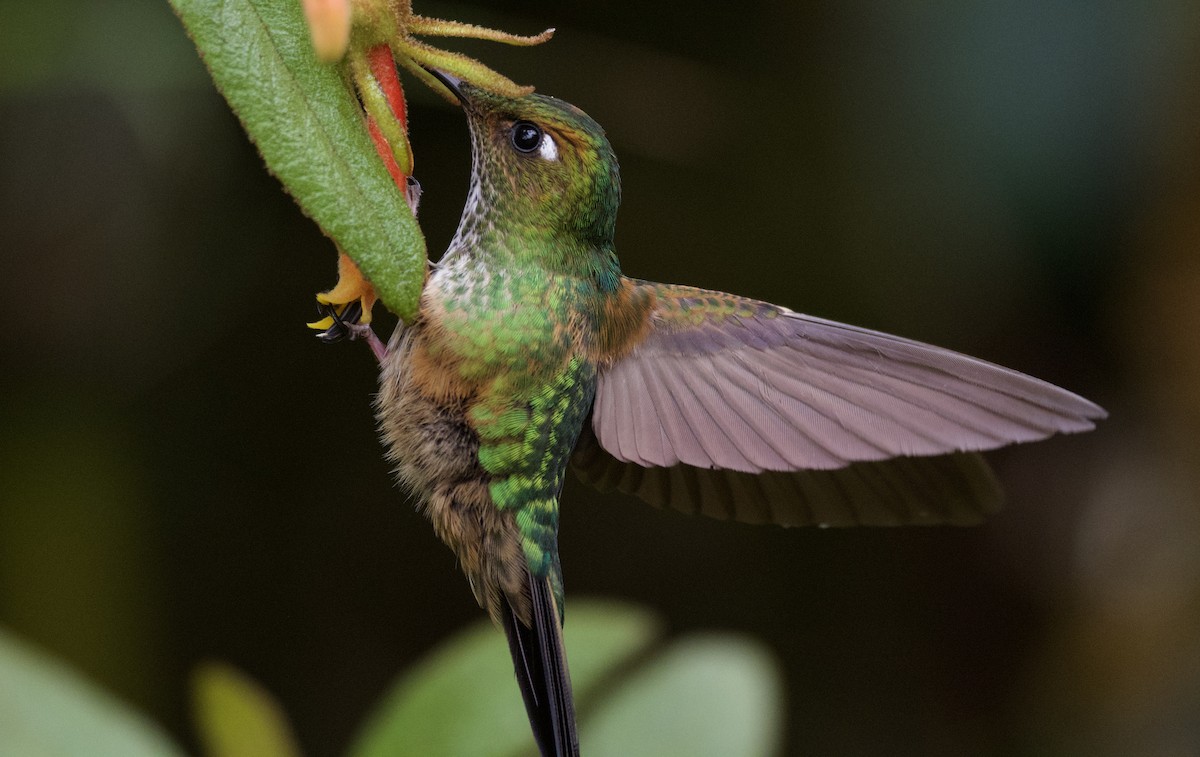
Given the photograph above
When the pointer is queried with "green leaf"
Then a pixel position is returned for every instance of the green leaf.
(463, 698)
(237, 717)
(47, 710)
(705, 695)
(309, 128)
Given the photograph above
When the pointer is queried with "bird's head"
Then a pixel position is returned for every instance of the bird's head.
(540, 163)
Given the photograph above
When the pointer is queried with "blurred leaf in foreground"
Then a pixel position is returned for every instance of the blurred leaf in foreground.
(238, 718)
(47, 710)
(704, 696)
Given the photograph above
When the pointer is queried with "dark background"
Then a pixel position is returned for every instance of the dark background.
(186, 473)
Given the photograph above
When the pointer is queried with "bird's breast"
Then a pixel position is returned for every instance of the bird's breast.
(489, 321)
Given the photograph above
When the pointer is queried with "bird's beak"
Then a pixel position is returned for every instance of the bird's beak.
(450, 82)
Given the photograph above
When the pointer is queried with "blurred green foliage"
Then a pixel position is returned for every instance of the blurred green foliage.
(460, 700)
(185, 474)
(236, 717)
(47, 710)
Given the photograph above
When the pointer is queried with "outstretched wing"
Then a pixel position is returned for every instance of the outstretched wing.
(727, 382)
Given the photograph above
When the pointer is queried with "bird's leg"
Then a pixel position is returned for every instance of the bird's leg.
(366, 333)
(378, 348)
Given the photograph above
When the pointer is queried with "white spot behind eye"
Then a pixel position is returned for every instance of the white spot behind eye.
(548, 149)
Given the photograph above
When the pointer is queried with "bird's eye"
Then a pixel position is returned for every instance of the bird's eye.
(526, 136)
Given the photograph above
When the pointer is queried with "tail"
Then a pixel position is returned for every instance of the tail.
(541, 667)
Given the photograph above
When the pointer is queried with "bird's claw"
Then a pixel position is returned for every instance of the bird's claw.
(344, 323)
(340, 321)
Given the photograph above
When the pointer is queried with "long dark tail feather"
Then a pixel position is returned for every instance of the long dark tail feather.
(541, 667)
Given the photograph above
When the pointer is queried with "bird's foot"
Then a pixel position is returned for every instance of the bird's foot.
(344, 322)
(347, 308)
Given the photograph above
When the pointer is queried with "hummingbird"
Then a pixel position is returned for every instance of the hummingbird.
(531, 351)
